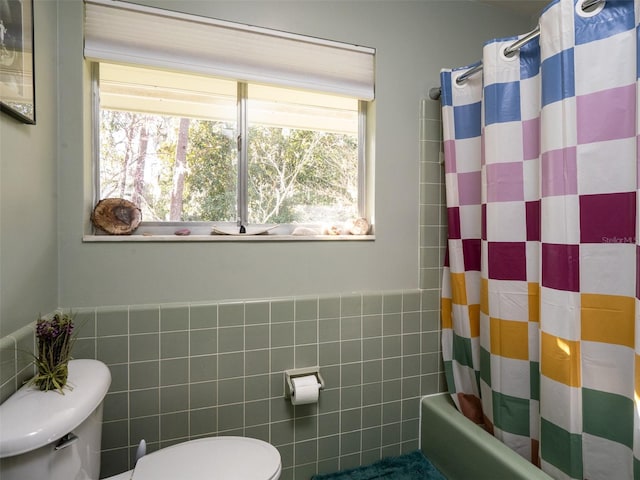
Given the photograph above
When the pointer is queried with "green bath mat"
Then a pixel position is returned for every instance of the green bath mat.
(412, 466)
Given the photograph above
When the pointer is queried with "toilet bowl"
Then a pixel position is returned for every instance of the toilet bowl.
(228, 458)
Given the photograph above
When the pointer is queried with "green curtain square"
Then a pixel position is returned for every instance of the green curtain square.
(511, 414)
(608, 415)
(534, 380)
(462, 350)
(561, 448)
(485, 366)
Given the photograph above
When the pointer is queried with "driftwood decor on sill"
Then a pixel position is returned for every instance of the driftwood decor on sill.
(116, 216)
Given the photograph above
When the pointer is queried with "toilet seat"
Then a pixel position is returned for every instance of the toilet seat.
(228, 458)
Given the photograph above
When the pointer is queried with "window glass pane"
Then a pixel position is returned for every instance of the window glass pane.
(168, 143)
(303, 156)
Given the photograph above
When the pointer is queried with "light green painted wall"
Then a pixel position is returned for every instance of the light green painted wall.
(28, 192)
(413, 40)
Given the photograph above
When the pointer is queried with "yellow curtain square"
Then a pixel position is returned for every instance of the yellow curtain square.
(608, 319)
(445, 313)
(484, 296)
(534, 302)
(509, 338)
(458, 288)
(560, 359)
(474, 320)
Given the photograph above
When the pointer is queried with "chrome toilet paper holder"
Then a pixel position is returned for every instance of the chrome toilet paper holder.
(300, 372)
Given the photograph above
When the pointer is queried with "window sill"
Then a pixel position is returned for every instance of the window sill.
(222, 238)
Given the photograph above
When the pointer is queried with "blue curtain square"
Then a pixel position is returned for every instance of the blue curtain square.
(615, 17)
(558, 77)
(467, 120)
(502, 103)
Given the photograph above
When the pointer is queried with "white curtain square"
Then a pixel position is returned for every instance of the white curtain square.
(470, 221)
(608, 268)
(509, 300)
(468, 155)
(607, 367)
(530, 98)
(560, 217)
(510, 376)
(451, 181)
(531, 174)
(553, 394)
(472, 280)
(506, 222)
(607, 167)
(560, 313)
(534, 341)
(604, 64)
(456, 256)
(601, 457)
(503, 142)
(533, 262)
(558, 128)
(556, 27)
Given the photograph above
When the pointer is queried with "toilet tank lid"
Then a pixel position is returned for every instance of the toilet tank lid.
(30, 418)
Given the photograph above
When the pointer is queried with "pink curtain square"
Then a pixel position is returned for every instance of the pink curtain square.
(504, 182)
(607, 115)
(559, 172)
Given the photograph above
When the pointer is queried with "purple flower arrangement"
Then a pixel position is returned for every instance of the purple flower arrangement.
(55, 340)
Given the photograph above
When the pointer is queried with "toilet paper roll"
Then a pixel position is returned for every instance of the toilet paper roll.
(305, 390)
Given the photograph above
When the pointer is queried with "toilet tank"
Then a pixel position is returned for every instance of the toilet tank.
(52, 435)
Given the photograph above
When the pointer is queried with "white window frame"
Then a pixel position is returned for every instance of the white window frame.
(159, 230)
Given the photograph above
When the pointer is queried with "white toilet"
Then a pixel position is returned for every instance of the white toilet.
(46, 435)
(220, 458)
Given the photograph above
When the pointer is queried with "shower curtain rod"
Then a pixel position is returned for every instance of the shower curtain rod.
(435, 92)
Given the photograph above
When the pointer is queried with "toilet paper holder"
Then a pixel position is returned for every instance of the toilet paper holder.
(300, 372)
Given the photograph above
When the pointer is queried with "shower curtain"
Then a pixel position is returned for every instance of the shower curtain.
(540, 309)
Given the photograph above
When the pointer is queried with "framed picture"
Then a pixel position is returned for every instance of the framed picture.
(17, 84)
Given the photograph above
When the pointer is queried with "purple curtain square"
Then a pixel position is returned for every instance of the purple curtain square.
(469, 188)
(471, 252)
(533, 220)
(453, 216)
(507, 260)
(638, 271)
(608, 218)
(561, 266)
(559, 172)
(483, 221)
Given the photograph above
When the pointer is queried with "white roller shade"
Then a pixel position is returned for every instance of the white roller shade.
(123, 32)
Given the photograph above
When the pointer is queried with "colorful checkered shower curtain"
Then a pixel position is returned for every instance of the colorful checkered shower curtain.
(540, 309)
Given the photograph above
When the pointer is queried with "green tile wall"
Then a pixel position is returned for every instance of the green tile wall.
(16, 360)
(187, 371)
(433, 212)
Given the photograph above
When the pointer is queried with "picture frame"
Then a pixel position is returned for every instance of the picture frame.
(17, 80)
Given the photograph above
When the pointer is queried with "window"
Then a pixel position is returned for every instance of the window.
(201, 121)
(172, 143)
